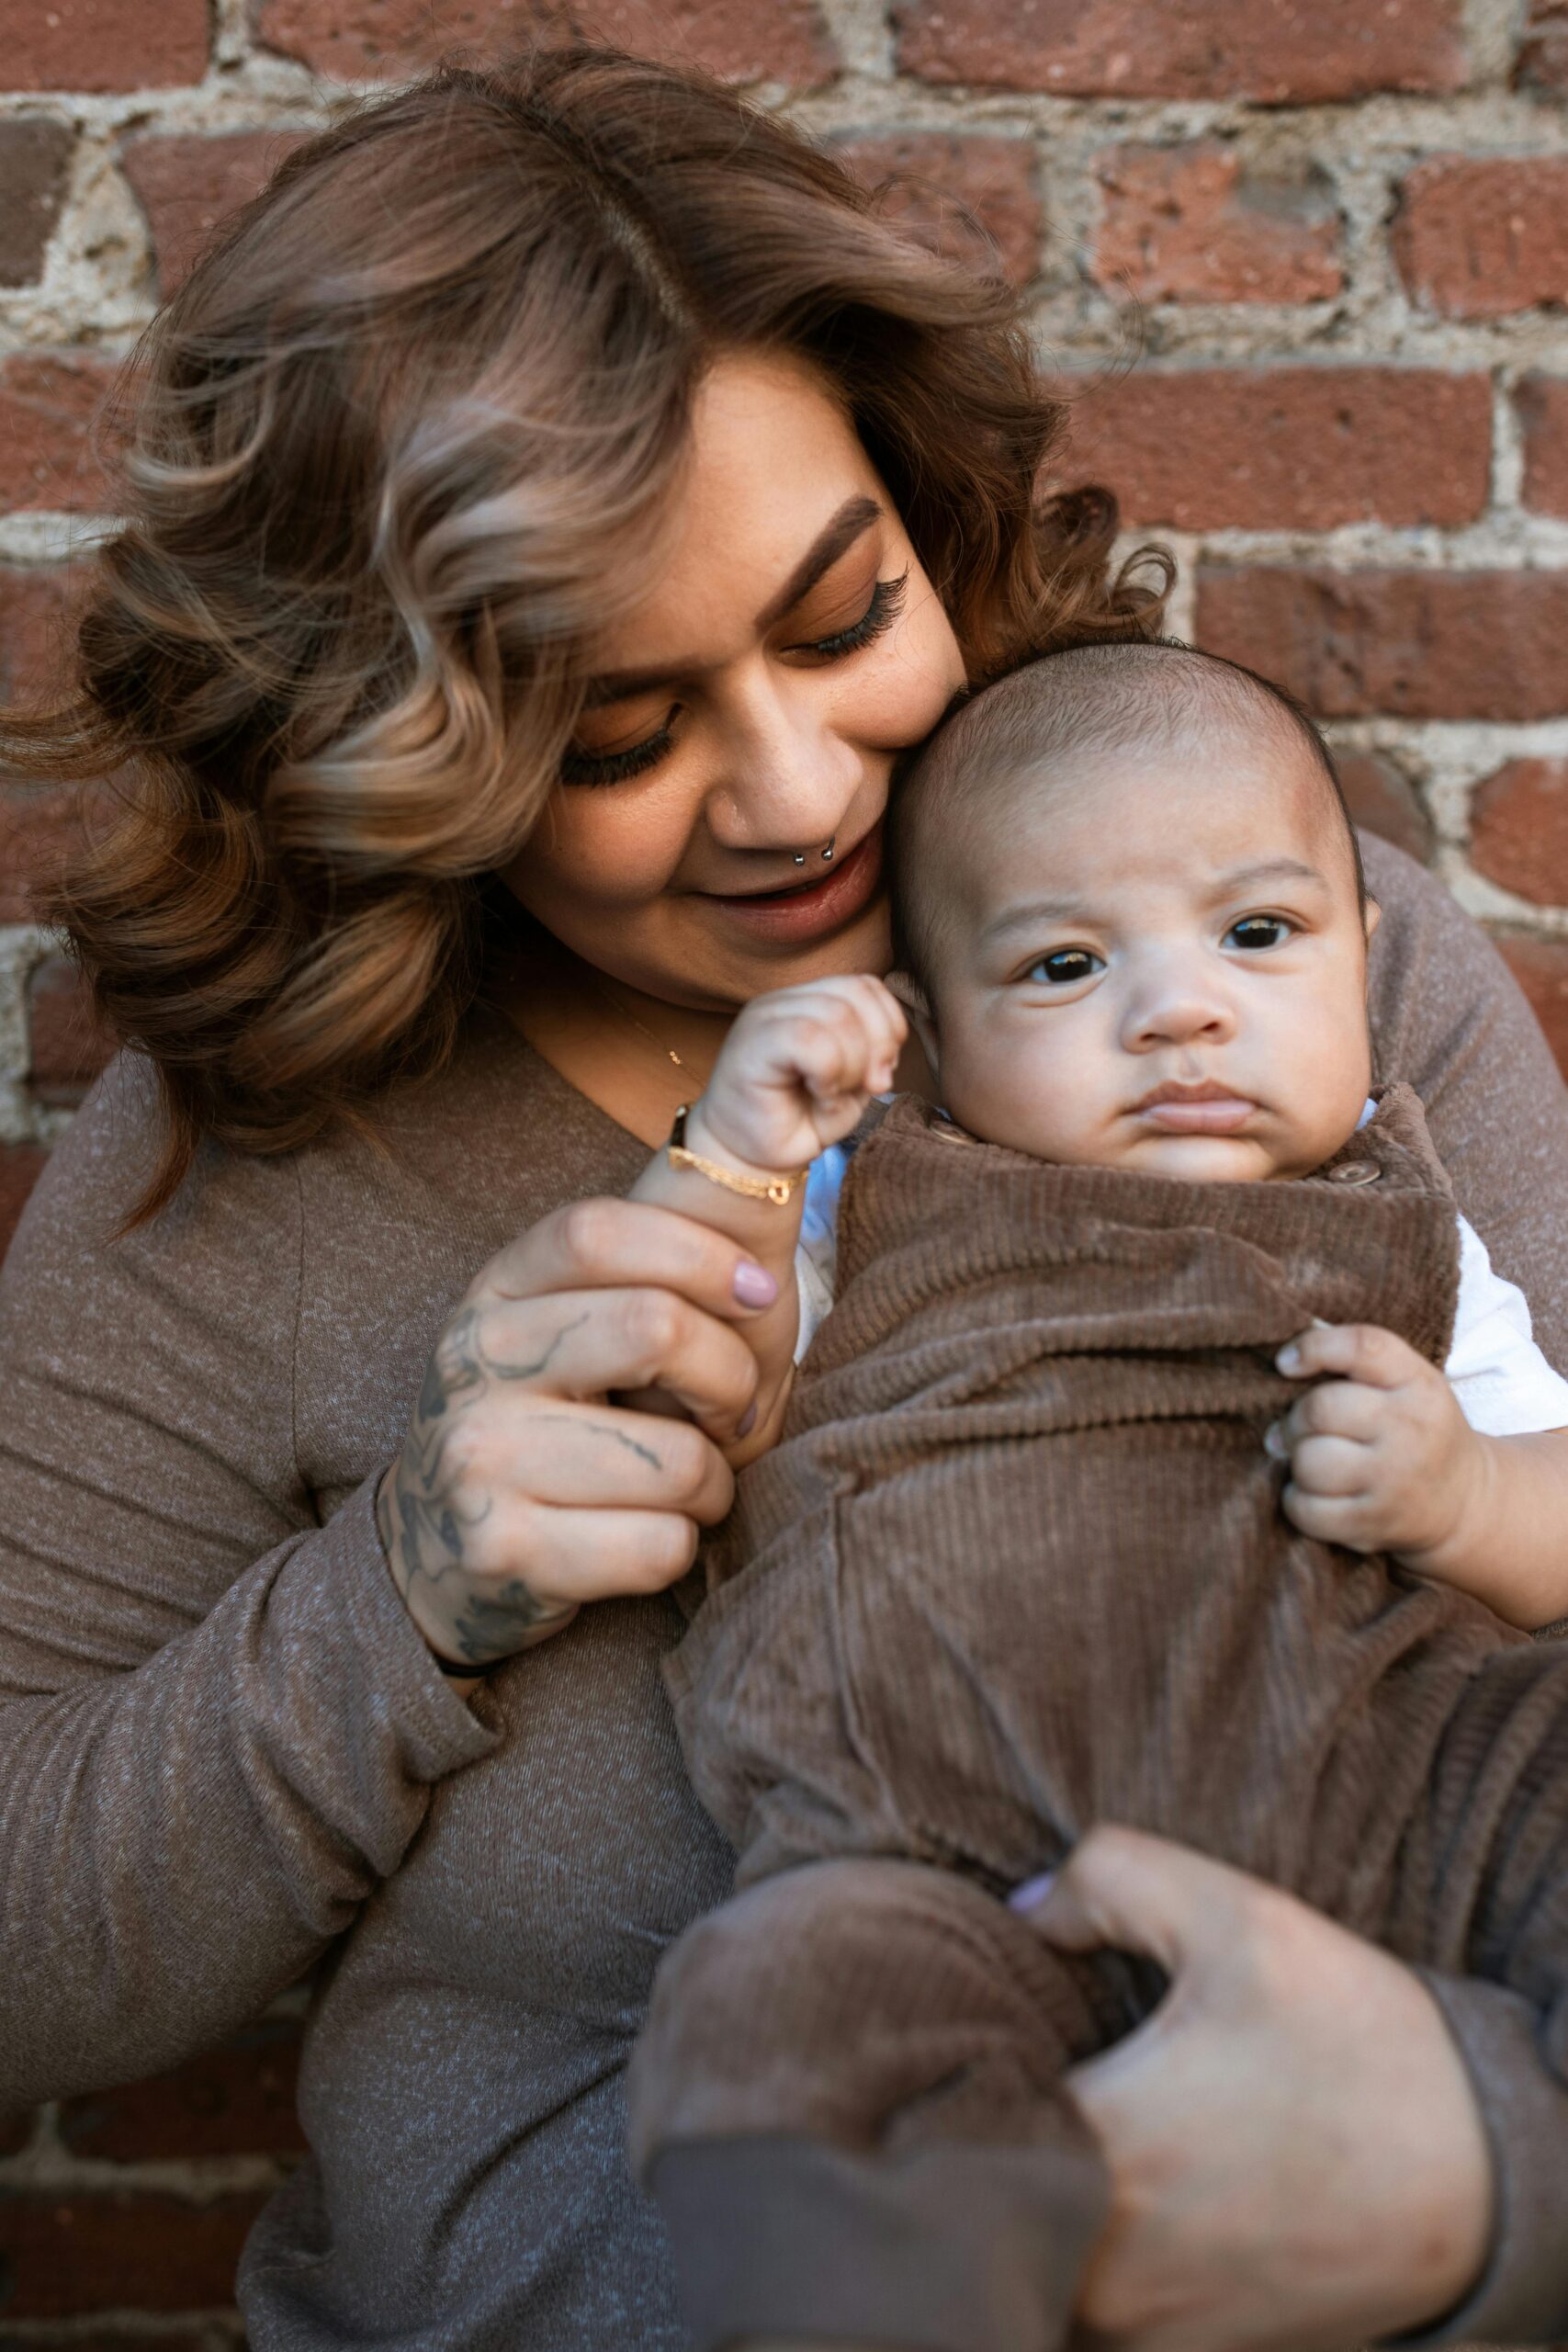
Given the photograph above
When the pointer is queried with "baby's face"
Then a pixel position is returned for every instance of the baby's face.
(1155, 960)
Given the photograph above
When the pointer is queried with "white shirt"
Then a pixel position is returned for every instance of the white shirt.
(1504, 1384)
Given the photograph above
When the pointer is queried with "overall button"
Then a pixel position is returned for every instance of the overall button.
(1355, 1172)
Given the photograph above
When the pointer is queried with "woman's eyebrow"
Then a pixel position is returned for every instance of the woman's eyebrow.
(854, 516)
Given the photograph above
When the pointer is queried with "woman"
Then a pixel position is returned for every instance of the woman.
(553, 506)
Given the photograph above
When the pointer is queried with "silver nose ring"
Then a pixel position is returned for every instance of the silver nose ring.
(797, 856)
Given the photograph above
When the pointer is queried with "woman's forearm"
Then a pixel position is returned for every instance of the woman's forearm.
(184, 1838)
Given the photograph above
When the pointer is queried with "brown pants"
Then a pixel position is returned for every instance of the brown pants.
(1018, 1565)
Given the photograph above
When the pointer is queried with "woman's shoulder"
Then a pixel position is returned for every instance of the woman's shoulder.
(1436, 985)
(230, 1207)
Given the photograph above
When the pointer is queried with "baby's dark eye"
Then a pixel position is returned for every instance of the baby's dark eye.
(1064, 966)
(1258, 931)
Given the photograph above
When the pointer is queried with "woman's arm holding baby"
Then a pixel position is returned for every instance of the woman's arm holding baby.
(1382, 1460)
(794, 1077)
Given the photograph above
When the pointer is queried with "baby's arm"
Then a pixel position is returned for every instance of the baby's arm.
(794, 1075)
(1382, 1460)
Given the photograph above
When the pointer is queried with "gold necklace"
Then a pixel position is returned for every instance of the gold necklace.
(640, 1026)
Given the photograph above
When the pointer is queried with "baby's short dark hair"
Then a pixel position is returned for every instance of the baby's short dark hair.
(1095, 698)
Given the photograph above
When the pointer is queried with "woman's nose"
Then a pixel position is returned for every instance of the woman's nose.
(787, 777)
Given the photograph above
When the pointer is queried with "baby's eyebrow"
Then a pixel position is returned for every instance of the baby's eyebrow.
(1269, 869)
(1037, 911)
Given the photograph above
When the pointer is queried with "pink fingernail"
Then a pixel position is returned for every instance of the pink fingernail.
(754, 1285)
(1032, 1890)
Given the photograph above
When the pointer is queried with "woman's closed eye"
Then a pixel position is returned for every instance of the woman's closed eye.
(580, 766)
(1253, 933)
(887, 603)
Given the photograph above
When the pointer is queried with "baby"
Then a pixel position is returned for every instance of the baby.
(1014, 1551)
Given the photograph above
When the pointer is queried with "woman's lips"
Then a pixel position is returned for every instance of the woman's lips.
(816, 909)
(1206, 1109)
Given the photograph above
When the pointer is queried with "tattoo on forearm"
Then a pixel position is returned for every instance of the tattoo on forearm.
(425, 1534)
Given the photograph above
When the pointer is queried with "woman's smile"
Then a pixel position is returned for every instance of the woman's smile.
(815, 908)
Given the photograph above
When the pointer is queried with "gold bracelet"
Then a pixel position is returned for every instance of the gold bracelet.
(780, 1190)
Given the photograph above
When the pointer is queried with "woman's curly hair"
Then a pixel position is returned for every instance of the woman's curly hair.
(390, 447)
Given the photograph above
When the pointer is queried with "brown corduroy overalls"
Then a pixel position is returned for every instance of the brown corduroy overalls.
(1017, 1566)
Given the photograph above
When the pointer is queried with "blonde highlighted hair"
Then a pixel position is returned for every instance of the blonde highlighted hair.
(390, 447)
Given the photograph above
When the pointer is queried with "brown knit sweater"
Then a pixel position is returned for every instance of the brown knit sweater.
(225, 1753)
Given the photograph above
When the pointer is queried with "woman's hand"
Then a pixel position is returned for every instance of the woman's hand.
(520, 1492)
(1296, 2155)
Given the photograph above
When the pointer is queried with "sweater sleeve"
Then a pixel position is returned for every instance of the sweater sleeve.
(218, 1728)
(1448, 1017)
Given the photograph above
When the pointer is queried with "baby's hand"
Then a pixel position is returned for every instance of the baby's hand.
(1381, 1458)
(796, 1070)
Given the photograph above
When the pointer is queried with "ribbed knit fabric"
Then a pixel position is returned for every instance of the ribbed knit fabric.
(1018, 1565)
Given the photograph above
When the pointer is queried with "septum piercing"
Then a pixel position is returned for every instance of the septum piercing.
(800, 855)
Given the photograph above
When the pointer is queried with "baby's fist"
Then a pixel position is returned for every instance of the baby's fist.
(799, 1068)
(1382, 1459)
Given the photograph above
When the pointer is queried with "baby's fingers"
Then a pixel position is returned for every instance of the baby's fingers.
(1356, 1350)
(1345, 1520)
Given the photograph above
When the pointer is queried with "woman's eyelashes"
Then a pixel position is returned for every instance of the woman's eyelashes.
(615, 767)
(579, 766)
(887, 603)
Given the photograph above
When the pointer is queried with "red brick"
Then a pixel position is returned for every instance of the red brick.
(68, 1045)
(188, 186)
(35, 162)
(112, 2334)
(39, 824)
(783, 40)
(1518, 830)
(1542, 404)
(63, 2254)
(35, 629)
(1384, 801)
(21, 1165)
(1192, 224)
(49, 451)
(1544, 54)
(976, 197)
(1282, 51)
(102, 44)
(1289, 449)
(1483, 237)
(1414, 644)
(237, 2101)
(1540, 968)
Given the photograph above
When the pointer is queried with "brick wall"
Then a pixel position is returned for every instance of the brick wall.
(1347, 228)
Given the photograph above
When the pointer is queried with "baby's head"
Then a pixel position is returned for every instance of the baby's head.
(1126, 884)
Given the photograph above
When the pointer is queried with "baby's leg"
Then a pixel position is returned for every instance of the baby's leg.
(1484, 1879)
(847, 2104)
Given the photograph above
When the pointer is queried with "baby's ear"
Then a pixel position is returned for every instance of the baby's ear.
(913, 997)
(910, 995)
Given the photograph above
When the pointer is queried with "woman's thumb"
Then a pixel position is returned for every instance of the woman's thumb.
(1126, 1889)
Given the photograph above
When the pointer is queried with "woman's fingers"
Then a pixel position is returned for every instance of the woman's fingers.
(580, 1554)
(1296, 2157)
(616, 1245)
(1138, 1892)
(569, 1455)
(582, 1343)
